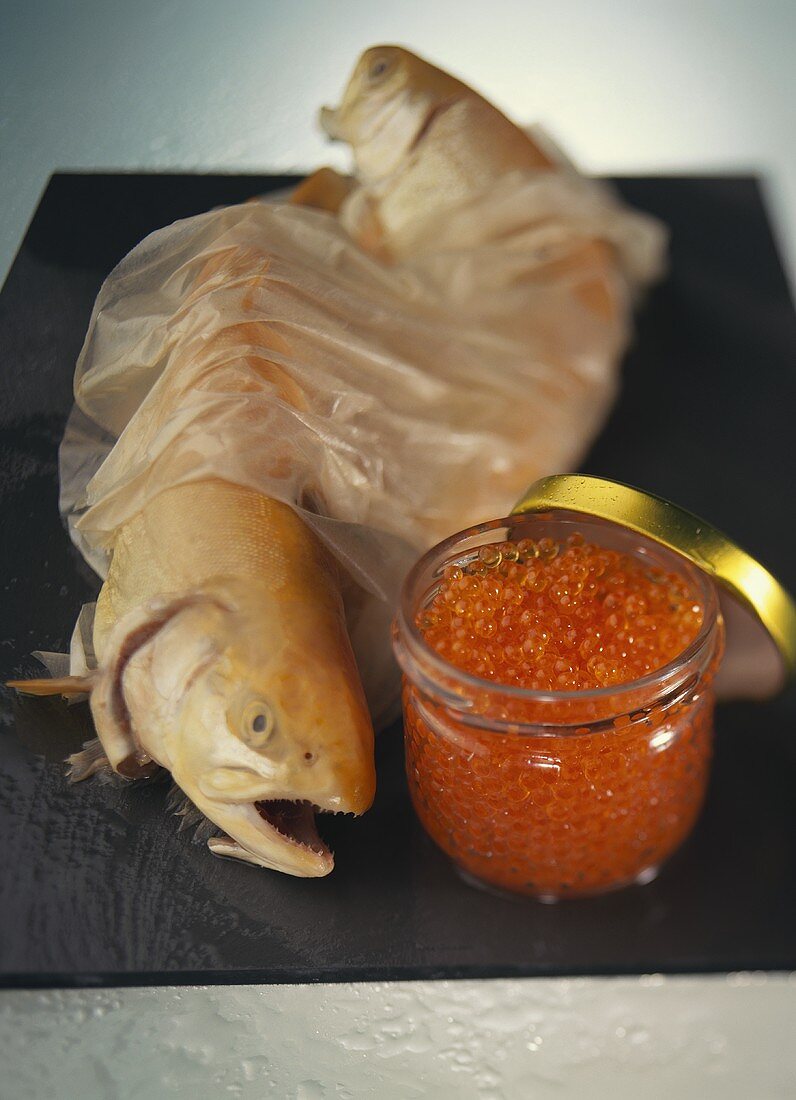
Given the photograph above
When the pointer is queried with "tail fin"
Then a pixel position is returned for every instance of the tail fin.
(56, 685)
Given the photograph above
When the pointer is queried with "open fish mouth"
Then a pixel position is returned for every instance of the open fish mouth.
(294, 820)
(279, 833)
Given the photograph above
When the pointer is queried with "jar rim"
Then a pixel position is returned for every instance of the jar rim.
(410, 634)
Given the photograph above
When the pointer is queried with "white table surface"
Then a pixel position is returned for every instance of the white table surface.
(711, 1038)
(627, 87)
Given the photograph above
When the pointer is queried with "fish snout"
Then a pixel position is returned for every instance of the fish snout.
(334, 779)
(361, 797)
(352, 786)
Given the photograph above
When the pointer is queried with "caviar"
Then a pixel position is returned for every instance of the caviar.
(558, 816)
(543, 807)
(571, 618)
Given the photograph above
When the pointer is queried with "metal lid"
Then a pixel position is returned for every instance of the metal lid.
(759, 614)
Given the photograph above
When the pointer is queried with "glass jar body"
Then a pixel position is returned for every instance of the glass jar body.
(558, 816)
(564, 794)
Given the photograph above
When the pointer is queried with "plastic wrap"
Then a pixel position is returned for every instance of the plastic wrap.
(390, 405)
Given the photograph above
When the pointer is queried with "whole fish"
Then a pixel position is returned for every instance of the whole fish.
(220, 637)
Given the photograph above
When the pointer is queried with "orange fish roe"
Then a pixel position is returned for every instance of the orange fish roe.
(555, 618)
(558, 816)
(578, 793)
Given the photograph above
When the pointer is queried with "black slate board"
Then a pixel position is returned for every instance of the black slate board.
(97, 887)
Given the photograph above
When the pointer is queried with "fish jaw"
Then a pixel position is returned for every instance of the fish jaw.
(259, 826)
(380, 134)
(328, 120)
(379, 120)
(226, 848)
(251, 837)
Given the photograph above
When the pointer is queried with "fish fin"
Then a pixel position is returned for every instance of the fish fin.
(55, 685)
(57, 664)
(91, 760)
(60, 665)
(180, 805)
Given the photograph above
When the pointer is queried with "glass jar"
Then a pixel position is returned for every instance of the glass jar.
(556, 794)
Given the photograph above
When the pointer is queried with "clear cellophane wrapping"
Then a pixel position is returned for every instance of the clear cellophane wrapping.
(389, 404)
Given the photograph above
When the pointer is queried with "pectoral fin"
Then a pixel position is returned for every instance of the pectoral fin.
(55, 685)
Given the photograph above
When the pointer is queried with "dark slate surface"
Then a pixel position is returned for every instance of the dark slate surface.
(96, 885)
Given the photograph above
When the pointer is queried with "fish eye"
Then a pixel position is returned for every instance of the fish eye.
(379, 68)
(258, 723)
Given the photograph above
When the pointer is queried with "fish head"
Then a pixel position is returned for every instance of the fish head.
(254, 705)
(386, 105)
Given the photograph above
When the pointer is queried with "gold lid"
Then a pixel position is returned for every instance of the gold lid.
(751, 597)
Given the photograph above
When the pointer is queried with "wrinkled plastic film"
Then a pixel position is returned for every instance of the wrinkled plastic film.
(390, 405)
